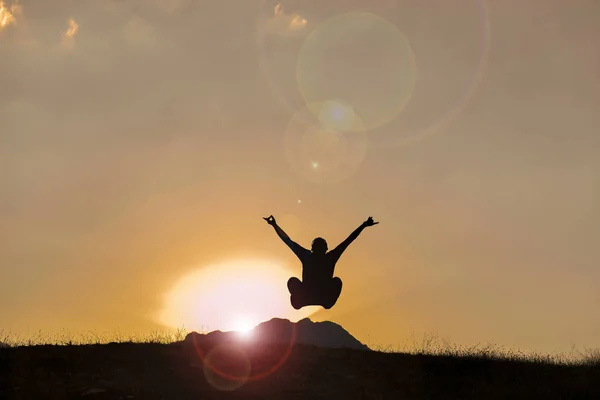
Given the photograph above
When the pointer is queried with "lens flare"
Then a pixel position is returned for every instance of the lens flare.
(433, 125)
(321, 154)
(337, 115)
(421, 117)
(361, 59)
(226, 367)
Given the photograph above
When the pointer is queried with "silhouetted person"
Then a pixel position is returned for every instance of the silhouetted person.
(318, 286)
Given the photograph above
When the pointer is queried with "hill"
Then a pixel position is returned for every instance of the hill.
(282, 331)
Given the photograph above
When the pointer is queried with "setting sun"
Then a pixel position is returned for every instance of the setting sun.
(243, 324)
(233, 296)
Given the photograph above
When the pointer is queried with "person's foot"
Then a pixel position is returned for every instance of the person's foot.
(329, 302)
(329, 306)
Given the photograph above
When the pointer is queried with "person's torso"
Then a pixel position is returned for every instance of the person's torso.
(317, 268)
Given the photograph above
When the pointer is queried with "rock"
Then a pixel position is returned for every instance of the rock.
(281, 331)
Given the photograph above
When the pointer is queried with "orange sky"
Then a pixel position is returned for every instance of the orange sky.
(142, 141)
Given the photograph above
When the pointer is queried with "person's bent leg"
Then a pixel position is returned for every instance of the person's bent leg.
(296, 302)
(333, 294)
(296, 293)
(294, 285)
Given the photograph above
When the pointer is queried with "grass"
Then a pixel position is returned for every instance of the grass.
(431, 344)
(67, 338)
(159, 366)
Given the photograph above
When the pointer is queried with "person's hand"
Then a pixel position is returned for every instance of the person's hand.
(270, 220)
(370, 222)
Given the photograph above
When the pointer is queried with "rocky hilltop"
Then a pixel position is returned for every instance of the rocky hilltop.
(281, 331)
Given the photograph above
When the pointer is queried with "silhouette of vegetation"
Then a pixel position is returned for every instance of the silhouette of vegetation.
(159, 365)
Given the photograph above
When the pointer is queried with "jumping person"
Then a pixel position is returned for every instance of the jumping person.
(318, 286)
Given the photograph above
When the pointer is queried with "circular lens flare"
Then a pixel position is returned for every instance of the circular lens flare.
(361, 59)
(420, 119)
(420, 108)
(226, 367)
(322, 154)
(336, 115)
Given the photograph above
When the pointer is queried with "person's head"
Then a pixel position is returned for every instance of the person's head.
(319, 245)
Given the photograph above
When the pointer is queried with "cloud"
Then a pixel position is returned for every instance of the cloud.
(139, 33)
(68, 36)
(285, 24)
(170, 7)
(8, 13)
(72, 30)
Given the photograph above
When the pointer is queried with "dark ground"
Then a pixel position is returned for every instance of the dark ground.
(174, 371)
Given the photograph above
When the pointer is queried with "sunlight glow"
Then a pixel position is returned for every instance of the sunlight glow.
(233, 296)
(243, 325)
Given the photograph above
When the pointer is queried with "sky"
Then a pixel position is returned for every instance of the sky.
(143, 141)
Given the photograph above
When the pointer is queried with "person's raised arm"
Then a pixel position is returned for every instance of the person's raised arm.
(337, 252)
(295, 247)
